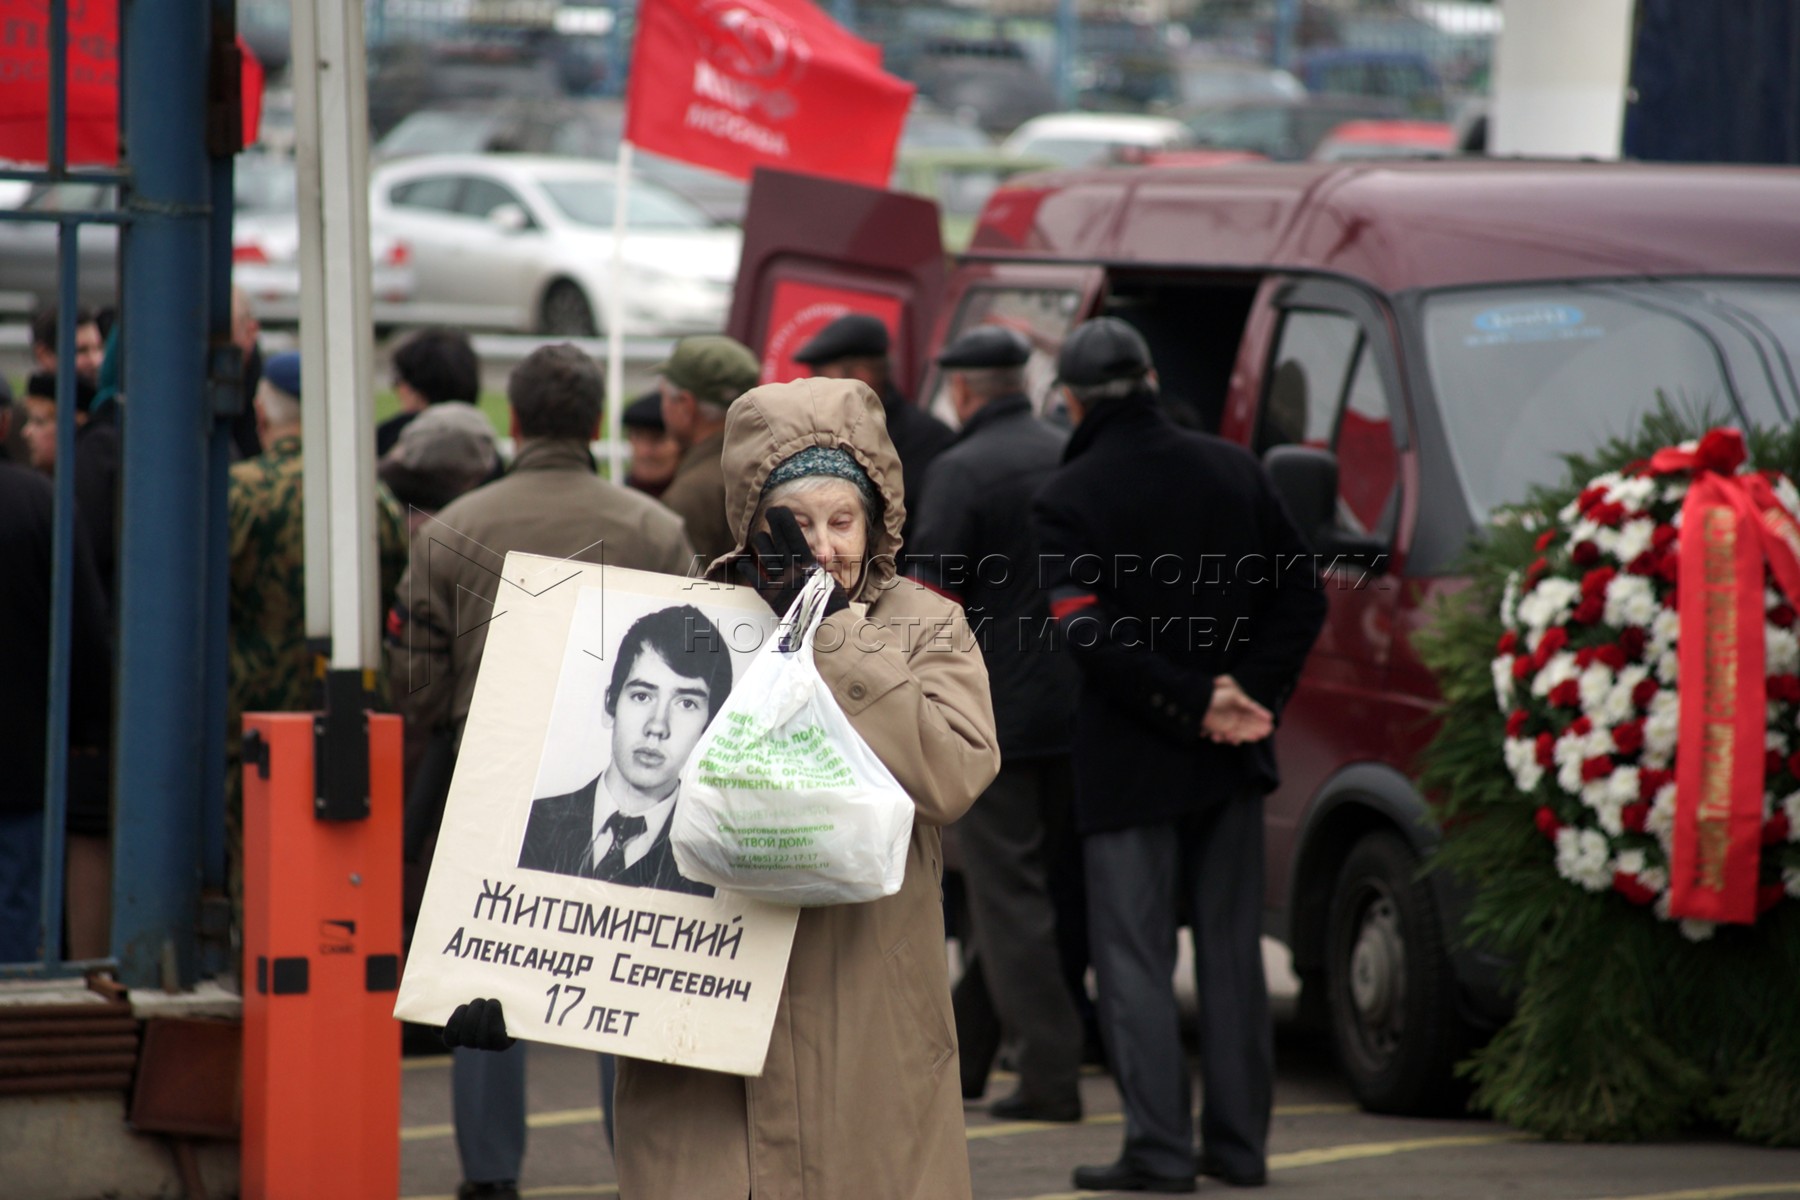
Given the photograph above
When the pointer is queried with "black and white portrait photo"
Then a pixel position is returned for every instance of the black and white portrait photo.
(664, 681)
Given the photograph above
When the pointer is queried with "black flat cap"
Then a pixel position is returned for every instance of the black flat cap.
(986, 346)
(644, 413)
(853, 335)
(1101, 351)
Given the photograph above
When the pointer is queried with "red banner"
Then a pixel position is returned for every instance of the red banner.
(1731, 527)
(798, 310)
(738, 84)
(92, 138)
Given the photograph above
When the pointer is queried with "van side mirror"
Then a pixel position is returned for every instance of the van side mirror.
(1306, 479)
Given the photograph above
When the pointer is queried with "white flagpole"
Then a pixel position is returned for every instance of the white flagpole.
(615, 322)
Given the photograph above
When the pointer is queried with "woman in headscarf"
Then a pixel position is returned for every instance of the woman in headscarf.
(859, 1095)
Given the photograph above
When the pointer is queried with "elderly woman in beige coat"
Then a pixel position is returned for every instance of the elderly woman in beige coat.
(859, 1096)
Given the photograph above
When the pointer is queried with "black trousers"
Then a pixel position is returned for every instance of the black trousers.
(1139, 880)
(1009, 841)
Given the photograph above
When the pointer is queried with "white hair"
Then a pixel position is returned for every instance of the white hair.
(277, 407)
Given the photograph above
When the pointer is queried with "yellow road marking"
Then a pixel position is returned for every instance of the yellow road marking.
(590, 1116)
(1354, 1150)
(1722, 1193)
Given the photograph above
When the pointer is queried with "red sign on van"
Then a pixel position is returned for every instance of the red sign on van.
(798, 310)
(92, 137)
(737, 84)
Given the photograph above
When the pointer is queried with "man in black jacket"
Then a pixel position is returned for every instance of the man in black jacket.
(1190, 602)
(26, 507)
(855, 346)
(973, 542)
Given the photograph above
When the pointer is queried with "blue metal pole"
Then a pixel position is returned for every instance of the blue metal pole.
(62, 601)
(226, 373)
(619, 50)
(162, 574)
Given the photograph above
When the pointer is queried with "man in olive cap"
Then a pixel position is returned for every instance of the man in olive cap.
(1184, 669)
(855, 346)
(706, 372)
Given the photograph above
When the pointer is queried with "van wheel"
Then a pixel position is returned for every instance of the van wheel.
(565, 312)
(1390, 986)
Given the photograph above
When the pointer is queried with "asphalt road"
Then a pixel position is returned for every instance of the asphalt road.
(1322, 1146)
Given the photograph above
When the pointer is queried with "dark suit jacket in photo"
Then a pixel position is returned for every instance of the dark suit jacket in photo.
(560, 829)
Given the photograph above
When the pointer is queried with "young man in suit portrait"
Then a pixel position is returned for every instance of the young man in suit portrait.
(670, 675)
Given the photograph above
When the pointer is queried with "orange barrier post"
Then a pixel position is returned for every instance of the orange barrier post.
(321, 964)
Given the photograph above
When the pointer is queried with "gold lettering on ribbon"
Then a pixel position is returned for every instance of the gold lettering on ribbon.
(1718, 540)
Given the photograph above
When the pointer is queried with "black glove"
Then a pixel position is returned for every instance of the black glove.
(478, 1025)
(779, 562)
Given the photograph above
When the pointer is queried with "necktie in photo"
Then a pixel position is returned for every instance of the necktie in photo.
(623, 829)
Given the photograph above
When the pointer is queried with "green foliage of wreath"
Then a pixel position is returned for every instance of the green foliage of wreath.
(1623, 1029)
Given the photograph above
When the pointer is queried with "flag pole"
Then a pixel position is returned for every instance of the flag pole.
(615, 322)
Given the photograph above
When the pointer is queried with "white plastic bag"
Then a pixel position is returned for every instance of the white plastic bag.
(782, 799)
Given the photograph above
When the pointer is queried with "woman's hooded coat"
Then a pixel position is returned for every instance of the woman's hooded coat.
(859, 1096)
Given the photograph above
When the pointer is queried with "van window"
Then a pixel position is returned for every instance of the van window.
(1524, 376)
(1043, 315)
(1368, 463)
(1326, 390)
(1312, 359)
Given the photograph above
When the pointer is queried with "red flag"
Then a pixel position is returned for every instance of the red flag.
(93, 83)
(738, 84)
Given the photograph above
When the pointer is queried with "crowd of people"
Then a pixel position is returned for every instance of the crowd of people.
(1090, 786)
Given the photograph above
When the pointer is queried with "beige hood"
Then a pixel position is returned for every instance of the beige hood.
(770, 423)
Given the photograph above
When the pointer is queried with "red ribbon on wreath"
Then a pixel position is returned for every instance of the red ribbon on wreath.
(1731, 526)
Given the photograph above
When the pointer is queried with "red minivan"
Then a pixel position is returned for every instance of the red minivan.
(1416, 343)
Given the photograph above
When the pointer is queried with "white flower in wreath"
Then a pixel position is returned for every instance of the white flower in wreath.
(1598, 798)
(1665, 628)
(1630, 600)
(1549, 603)
(1790, 806)
(1675, 493)
(1668, 668)
(1596, 685)
(1585, 530)
(1660, 821)
(1781, 650)
(1697, 931)
(1509, 600)
(1633, 493)
(1503, 681)
(1521, 760)
(1774, 739)
(1787, 494)
(1790, 881)
(1661, 727)
(1582, 858)
(1561, 667)
(1621, 704)
(1630, 862)
(1654, 878)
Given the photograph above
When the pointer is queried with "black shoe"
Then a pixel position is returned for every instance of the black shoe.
(503, 1189)
(1123, 1177)
(1213, 1170)
(1017, 1107)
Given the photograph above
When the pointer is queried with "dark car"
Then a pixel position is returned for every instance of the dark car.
(991, 81)
(1419, 343)
(1282, 128)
